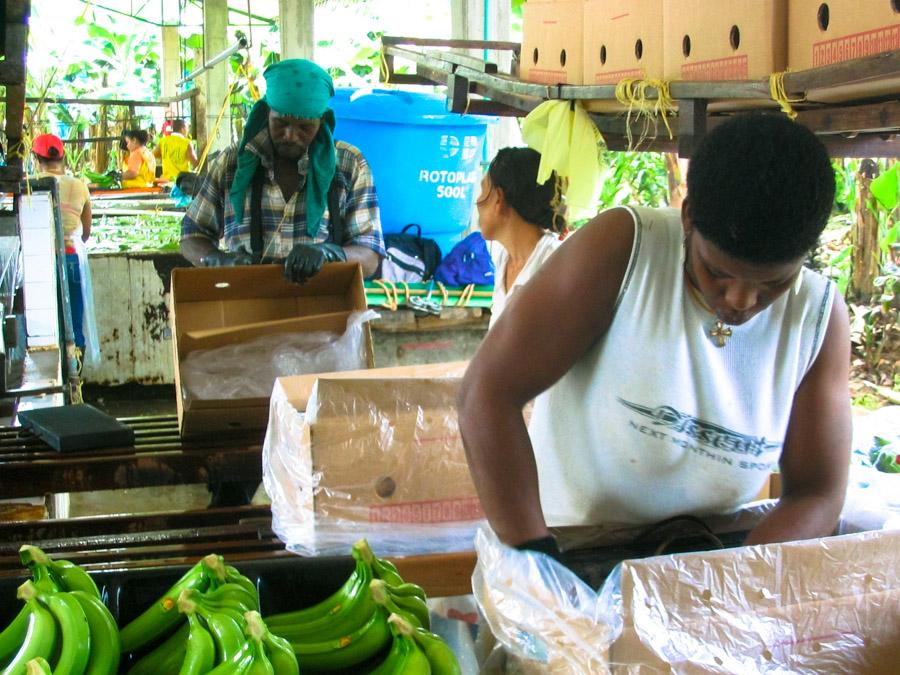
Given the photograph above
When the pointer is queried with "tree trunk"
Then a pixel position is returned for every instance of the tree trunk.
(864, 237)
(677, 184)
(101, 158)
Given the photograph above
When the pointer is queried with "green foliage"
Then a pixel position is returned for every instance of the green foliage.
(637, 178)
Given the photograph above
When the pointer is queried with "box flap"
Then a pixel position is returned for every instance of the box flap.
(297, 389)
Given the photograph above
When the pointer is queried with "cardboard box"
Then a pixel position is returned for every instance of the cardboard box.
(214, 307)
(379, 457)
(552, 42)
(623, 39)
(724, 40)
(825, 33)
(828, 605)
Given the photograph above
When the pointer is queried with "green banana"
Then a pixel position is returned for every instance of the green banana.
(413, 604)
(277, 649)
(194, 601)
(232, 595)
(238, 664)
(200, 654)
(74, 632)
(38, 666)
(105, 650)
(40, 638)
(233, 575)
(405, 657)
(333, 604)
(256, 632)
(382, 597)
(227, 630)
(259, 664)
(408, 588)
(440, 657)
(346, 651)
(68, 575)
(383, 569)
(158, 619)
(348, 612)
(12, 636)
(167, 657)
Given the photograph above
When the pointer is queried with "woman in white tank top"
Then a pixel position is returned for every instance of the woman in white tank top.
(676, 357)
(521, 220)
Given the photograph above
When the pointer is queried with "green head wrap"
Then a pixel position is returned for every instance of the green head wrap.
(298, 88)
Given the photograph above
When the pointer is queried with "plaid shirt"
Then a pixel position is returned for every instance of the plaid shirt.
(211, 214)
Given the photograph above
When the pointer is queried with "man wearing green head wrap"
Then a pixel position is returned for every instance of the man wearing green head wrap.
(288, 191)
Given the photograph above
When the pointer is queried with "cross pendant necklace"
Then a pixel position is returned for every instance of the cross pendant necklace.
(720, 332)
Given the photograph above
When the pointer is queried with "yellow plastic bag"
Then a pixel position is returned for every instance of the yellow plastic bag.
(571, 145)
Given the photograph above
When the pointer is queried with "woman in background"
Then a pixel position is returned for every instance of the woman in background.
(75, 205)
(526, 220)
(139, 167)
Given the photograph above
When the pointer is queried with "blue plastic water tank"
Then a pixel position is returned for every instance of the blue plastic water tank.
(425, 160)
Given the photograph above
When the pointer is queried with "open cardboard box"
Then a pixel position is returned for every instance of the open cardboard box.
(217, 306)
(378, 456)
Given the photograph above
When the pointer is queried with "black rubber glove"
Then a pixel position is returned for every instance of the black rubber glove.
(306, 260)
(546, 545)
(226, 259)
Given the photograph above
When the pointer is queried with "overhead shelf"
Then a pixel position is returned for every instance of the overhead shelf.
(863, 125)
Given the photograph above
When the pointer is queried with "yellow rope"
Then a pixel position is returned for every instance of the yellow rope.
(212, 135)
(251, 85)
(779, 94)
(385, 71)
(390, 301)
(632, 92)
(443, 290)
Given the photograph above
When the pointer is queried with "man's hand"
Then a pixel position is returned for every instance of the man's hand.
(306, 260)
(227, 259)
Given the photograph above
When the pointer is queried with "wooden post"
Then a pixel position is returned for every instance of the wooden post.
(101, 156)
(864, 236)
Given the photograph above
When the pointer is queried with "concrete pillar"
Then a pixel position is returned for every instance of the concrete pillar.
(468, 19)
(296, 19)
(171, 61)
(214, 82)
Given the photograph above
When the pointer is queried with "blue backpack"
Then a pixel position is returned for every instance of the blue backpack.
(467, 263)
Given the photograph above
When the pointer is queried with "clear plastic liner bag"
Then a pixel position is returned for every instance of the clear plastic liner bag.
(542, 614)
(248, 369)
(822, 605)
(91, 354)
(380, 458)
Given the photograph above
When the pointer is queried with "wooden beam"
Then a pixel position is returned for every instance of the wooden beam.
(842, 119)
(691, 125)
(452, 44)
(848, 72)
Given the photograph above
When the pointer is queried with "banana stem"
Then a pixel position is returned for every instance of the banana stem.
(402, 625)
(256, 628)
(216, 565)
(32, 555)
(27, 591)
(186, 602)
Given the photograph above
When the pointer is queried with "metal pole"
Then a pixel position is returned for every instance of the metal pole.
(237, 46)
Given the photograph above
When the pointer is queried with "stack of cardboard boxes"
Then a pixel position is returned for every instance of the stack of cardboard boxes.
(594, 42)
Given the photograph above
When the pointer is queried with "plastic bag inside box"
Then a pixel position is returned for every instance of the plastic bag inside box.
(374, 458)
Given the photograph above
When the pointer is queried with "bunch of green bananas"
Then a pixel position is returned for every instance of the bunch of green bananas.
(350, 628)
(201, 614)
(415, 651)
(104, 181)
(63, 624)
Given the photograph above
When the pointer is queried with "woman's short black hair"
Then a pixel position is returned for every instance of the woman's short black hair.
(515, 171)
(761, 188)
(139, 135)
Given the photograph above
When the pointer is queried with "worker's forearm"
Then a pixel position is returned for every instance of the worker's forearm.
(797, 518)
(365, 256)
(195, 248)
(502, 464)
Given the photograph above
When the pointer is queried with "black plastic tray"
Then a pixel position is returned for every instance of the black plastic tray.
(71, 428)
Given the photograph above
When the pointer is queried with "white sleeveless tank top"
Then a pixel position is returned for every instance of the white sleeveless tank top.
(655, 420)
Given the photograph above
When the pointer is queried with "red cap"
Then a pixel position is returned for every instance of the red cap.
(48, 146)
